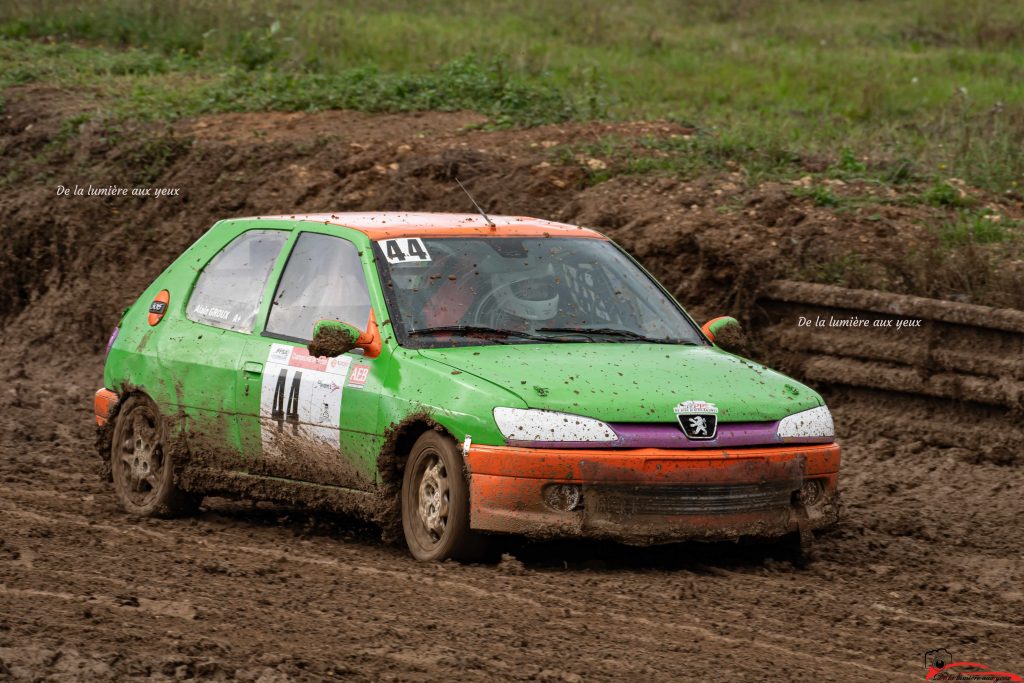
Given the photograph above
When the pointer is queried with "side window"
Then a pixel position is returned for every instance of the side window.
(323, 280)
(230, 288)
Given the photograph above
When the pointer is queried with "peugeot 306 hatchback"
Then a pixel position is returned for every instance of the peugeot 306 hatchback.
(465, 375)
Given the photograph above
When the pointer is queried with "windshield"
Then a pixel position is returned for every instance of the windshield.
(506, 290)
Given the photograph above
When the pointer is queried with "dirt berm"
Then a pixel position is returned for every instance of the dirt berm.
(929, 556)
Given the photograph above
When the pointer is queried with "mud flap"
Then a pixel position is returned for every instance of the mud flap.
(805, 535)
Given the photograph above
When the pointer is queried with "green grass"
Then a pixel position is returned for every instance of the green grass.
(820, 195)
(977, 227)
(912, 86)
(758, 157)
(143, 85)
(947, 194)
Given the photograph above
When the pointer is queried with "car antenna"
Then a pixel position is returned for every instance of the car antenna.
(486, 218)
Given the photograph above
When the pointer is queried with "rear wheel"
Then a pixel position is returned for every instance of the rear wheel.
(141, 465)
(435, 503)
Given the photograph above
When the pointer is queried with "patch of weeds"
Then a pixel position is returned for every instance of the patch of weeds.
(682, 155)
(849, 163)
(467, 83)
(967, 272)
(69, 129)
(12, 177)
(898, 172)
(970, 227)
(945, 194)
(640, 165)
(147, 160)
(597, 177)
(256, 48)
(850, 167)
(821, 195)
(848, 270)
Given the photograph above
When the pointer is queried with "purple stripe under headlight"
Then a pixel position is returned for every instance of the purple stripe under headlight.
(670, 435)
(110, 342)
(639, 435)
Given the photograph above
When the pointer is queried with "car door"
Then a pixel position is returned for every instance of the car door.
(198, 352)
(312, 419)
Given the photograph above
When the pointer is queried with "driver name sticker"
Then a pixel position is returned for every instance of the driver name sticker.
(405, 250)
(300, 397)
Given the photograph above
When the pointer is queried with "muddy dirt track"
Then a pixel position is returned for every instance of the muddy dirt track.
(931, 553)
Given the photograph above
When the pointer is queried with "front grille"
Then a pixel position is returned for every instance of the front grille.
(689, 499)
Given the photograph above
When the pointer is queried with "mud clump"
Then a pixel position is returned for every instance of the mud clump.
(733, 338)
(510, 564)
(331, 342)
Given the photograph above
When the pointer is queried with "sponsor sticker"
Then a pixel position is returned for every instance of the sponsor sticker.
(359, 375)
(158, 308)
(693, 407)
(301, 396)
(298, 357)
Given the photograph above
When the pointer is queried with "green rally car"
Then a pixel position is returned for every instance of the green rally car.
(464, 374)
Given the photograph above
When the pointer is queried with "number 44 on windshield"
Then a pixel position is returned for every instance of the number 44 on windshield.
(405, 250)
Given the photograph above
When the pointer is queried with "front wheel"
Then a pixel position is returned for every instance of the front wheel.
(141, 464)
(435, 503)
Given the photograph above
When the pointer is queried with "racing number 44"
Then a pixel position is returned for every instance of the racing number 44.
(402, 250)
(279, 411)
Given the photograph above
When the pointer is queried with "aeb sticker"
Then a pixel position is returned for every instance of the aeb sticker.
(405, 250)
(358, 376)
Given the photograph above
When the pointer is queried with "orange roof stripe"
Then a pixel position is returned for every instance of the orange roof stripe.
(379, 225)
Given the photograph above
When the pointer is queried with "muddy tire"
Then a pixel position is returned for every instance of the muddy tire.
(141, 466)
(435, 503)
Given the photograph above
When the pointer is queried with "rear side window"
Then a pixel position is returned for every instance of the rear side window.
(323, 280)
(230, 288)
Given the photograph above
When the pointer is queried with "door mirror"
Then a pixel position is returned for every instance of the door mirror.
(726, 332)
(332, 338)
(713, 327)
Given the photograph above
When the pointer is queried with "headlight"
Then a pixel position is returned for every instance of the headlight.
(815, 423)
(517, 424)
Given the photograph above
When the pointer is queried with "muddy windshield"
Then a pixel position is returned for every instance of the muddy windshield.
(506, 290)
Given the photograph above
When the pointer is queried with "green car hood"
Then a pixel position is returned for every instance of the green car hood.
(632, 382)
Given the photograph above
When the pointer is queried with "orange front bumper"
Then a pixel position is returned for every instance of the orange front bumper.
(653, 495)
(103, 403)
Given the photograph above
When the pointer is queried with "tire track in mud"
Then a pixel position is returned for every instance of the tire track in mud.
(547, 589)
(266, 581)
(461, 585)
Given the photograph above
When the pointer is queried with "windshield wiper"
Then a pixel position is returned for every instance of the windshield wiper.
(615, 332)
(469, 330)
